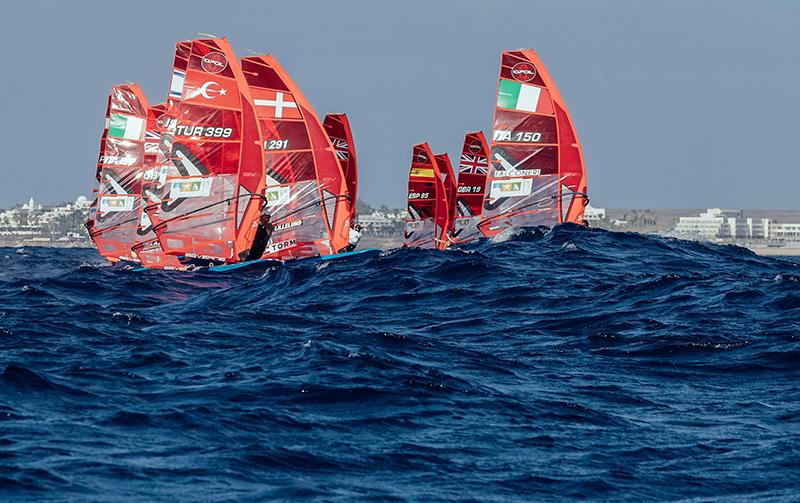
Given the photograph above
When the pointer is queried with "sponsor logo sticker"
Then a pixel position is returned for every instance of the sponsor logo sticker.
(277, 196)
(110, 204)
(511, 188)
(276, 247)
(190, 187)
(523, 71)
(214, 62)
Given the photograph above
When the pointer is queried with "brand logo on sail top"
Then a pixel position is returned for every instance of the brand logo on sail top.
(422, 156)
(214, 62)
(475, 147)
(523, 72)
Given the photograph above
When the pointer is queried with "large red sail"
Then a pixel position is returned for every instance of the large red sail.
(213, 188)
(537, 174)
(306, 194)
(114, 215)
(472, 169)
(445, 200)
(422, 198)
(338, 128)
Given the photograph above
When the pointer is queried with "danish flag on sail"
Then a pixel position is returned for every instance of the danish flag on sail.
(537, 175)
(306, 194)
(276, 104)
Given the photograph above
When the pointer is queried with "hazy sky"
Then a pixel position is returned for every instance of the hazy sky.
(676, 103)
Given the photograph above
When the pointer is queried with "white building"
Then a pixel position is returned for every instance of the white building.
(707, 225)
(594, 215)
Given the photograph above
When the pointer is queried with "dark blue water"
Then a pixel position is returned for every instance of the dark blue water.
(571, 364)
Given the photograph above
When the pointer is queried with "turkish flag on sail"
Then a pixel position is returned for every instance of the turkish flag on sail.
(210, 90)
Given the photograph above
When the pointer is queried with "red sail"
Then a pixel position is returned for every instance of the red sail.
(472, 170)
(338, 128)
(537, 174)
(213, 188)
(445, 200)
(306, 192)
(422, 198)
(114, 215)
(147, 247)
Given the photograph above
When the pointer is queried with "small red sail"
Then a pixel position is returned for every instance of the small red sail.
(338, 128)
(306, 193)
(422, 198)
(445, 200)
(537, 174)
(114, 215)
(472, 170)
(213, 188)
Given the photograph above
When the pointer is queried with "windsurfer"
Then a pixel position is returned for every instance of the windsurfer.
(263, 234)
(353, 238)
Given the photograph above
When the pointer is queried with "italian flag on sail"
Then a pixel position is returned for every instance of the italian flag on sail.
(517, 96)
(125, 126)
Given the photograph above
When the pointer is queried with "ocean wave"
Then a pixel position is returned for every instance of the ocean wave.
(545, 364)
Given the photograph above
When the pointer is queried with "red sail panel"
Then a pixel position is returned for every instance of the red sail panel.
(146, 246)
(445, 200)
(422, 198)
(212, 189)
(338, 128)
(536, 174)
(472, 170)
(306, 192)
(114, 215)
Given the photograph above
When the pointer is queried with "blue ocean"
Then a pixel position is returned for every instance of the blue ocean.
(573, 363)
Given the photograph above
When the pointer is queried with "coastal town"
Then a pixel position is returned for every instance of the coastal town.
(767, 232)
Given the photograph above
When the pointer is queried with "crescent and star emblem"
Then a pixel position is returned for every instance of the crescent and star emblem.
(209, 93)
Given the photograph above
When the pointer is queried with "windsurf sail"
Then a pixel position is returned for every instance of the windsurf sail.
(445, 200)
(306, 193)
(537, 174)
(422, 199)
(114, 214)
(146, 246)
(338, 128)
(212, 194)
(472, 170)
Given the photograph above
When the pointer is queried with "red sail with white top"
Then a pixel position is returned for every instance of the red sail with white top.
(537, 175)
(445, 200)
(114, 214)
(306, 193)
(472, 169)
(213, 186)
(338, 128)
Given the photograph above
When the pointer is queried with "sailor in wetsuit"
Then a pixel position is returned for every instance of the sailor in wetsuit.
(352, 239)
(263, 233)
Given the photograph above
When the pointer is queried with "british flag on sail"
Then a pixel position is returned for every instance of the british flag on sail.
(341, 148)
(474, 164)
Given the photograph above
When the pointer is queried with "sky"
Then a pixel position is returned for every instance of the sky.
(678, 104)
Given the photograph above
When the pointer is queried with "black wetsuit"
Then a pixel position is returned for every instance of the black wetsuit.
(263, 233)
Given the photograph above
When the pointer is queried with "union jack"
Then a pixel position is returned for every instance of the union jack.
(473, 164)
(341, 149)
(152, 135)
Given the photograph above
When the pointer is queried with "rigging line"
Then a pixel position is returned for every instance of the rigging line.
(185, 215)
